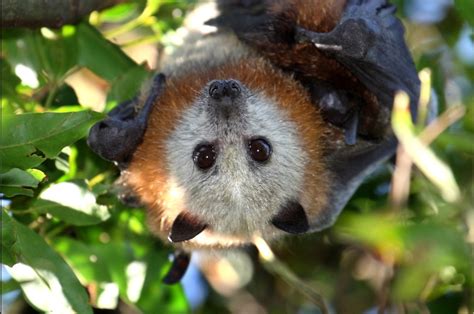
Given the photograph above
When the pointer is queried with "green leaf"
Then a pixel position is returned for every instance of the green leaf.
(119, 12)
(46, 280)
(116, 256)
(128, 85)
(380, 231)
(72, 203)
(84, 259)
(466, 9)
(8, 241)
(28, 139)
(152, 6)
(37, 174)
(65, 96)
(49, 57)
(9, 286)
(20, 47)
(18, 182)
(101, 56)
(8, 80)
(436, 247)
(156, 296)
(459, 141)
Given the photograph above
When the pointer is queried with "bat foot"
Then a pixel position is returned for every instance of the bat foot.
(338, 108)
(353, 38)
(178, 268)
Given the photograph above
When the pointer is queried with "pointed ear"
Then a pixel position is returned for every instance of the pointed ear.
(185, 227)
(291, 218)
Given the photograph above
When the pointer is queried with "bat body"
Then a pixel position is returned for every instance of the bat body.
(239, 192)
(267, 126)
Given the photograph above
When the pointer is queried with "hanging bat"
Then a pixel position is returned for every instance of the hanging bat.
(266, 126)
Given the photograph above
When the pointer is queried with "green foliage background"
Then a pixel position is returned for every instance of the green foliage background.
(417, 259)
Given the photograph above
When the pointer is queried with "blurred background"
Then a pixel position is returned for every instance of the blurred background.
(68, 244)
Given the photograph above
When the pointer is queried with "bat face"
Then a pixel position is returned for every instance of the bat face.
(236, 158)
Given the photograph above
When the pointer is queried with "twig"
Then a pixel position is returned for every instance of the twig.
(410, 141)
(49, 13)
(444, 121)
(273, 265)
(401, 179)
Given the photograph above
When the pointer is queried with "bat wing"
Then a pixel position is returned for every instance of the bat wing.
(365, 45)
(116, 137)
(369, 42)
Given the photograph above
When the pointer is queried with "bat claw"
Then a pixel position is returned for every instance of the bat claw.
(352, 38)
(350, 128)
(338, 108)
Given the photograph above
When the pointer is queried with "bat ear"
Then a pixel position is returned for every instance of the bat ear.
(185, 227)
(116, 137)
(291, 218)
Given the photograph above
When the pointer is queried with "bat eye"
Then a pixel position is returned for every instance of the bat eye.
(204, 156)
(259, 149)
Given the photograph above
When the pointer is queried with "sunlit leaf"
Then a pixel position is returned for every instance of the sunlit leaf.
(116, 257)
(119, 12)
(28, 139)
(46, 280)
(72, 203)
(50, 58)
(424, 158)
(382, 232)
(152, 6)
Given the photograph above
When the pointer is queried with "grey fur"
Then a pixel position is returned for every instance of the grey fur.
(237, 196)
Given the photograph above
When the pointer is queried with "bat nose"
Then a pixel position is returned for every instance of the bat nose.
(225, 88)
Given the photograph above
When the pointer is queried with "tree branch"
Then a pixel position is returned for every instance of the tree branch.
(49, 13)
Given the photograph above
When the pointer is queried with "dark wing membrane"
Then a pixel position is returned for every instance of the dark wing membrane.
(352, 69)
(366, 43)
(369, 42)
(116, 137)
(241, 16)
(349, 167)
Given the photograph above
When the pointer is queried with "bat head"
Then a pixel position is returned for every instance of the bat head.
(238, 156)
(232, 152)
(239, 150)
